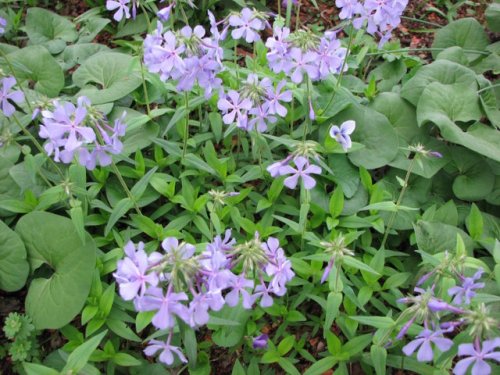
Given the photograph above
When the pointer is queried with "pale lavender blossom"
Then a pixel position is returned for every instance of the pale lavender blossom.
(302, 171)
(235, 108)
(121, 7)
(167, 351)
(246, 25)
(476, 357)
(465, 292)
(348, 8)
(275, 96)
(167, 306)
(424, 341)
(3, 24)
(164, 14)
(7, 95)
(239, 286)
(279, 267)
(342, 134)
(303, 63)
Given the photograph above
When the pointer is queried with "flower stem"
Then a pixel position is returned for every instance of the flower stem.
(125, 187)
(38, 146)
(11, 68)
(341, 74)
(398, 203)
(144, 87)
(186, 124)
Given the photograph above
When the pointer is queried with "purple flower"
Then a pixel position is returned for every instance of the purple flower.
(260, 342)
(476, 356)
(275, 168)
(465, 292)
(303, 170)
(348, 8)
(327, 271)
(234, 108)
(341, 135)
(166, 306)
(3, 23)
(303, 63)
(132, 272)
(278, 55)
(172, 248)
(424, 340)
(121, 7)
(264, 292)
(167, 351)
(239, 286)
(279, 267)
(164, 14)
(246, 26)
(274, 97)
(16, 96)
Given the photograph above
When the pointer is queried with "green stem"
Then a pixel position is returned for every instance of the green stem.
(148, 21)
(125, 187)
(292, 115)
(297, 16)
(145, 88)
(288, 14)
(398, 203)
(341, 75)
(488, 88)
(308, 117)
(38, 146)
(186, 125)
(382, 52)
(11, 68)
(421, 21)
(235, 60)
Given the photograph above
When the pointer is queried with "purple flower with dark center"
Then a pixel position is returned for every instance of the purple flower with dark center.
(424, 340)
(3, 24)
(246, 26)
(121, 7)
(303, 170)
(239, 286)
(167, 306)
(167, 351)
(465, 292)
(5, 96)
(303, 63)
(342, 134)
(235, 108)
(260, 342)
(476, 357)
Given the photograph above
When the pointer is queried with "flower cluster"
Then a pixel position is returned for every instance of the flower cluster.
(381, 16)
(186, 56)
(247, 25)
(426, 307)
(7, 95)
(303, 53)
(82, 131)
(256, 105)
(178, 284)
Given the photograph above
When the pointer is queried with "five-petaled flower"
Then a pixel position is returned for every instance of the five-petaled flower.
(342, 134)
(476, 356)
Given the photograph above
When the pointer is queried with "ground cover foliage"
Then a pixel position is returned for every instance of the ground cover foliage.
(218, 186)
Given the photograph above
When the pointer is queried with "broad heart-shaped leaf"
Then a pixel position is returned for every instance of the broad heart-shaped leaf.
(493, 17)
(444, 104)
(36, 64)
(14, 267)
(466, 33)
(443, 71)
(52, 240)
(107, 76)
(78, 53)
(476, 179)
(49, 29)
(438, 237)
(375, 132)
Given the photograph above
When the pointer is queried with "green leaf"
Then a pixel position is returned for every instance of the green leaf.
(374, 321)
(48, 29)
(80, 356)
(107, 76)
(375, 132)
(442, 71)
(125, 360)
(321, 366)
(353, 262)
(466, 33)
(36, 64)
(227, 336)
(288, 366)
(238, 368)
(336, 202)
(286, 345)
(438, 237)
(474, 222)
(493, 17)
(378, 355)
(52, 240)
(36, 369)
(332, 310)
(14, 267)
(119, 211)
